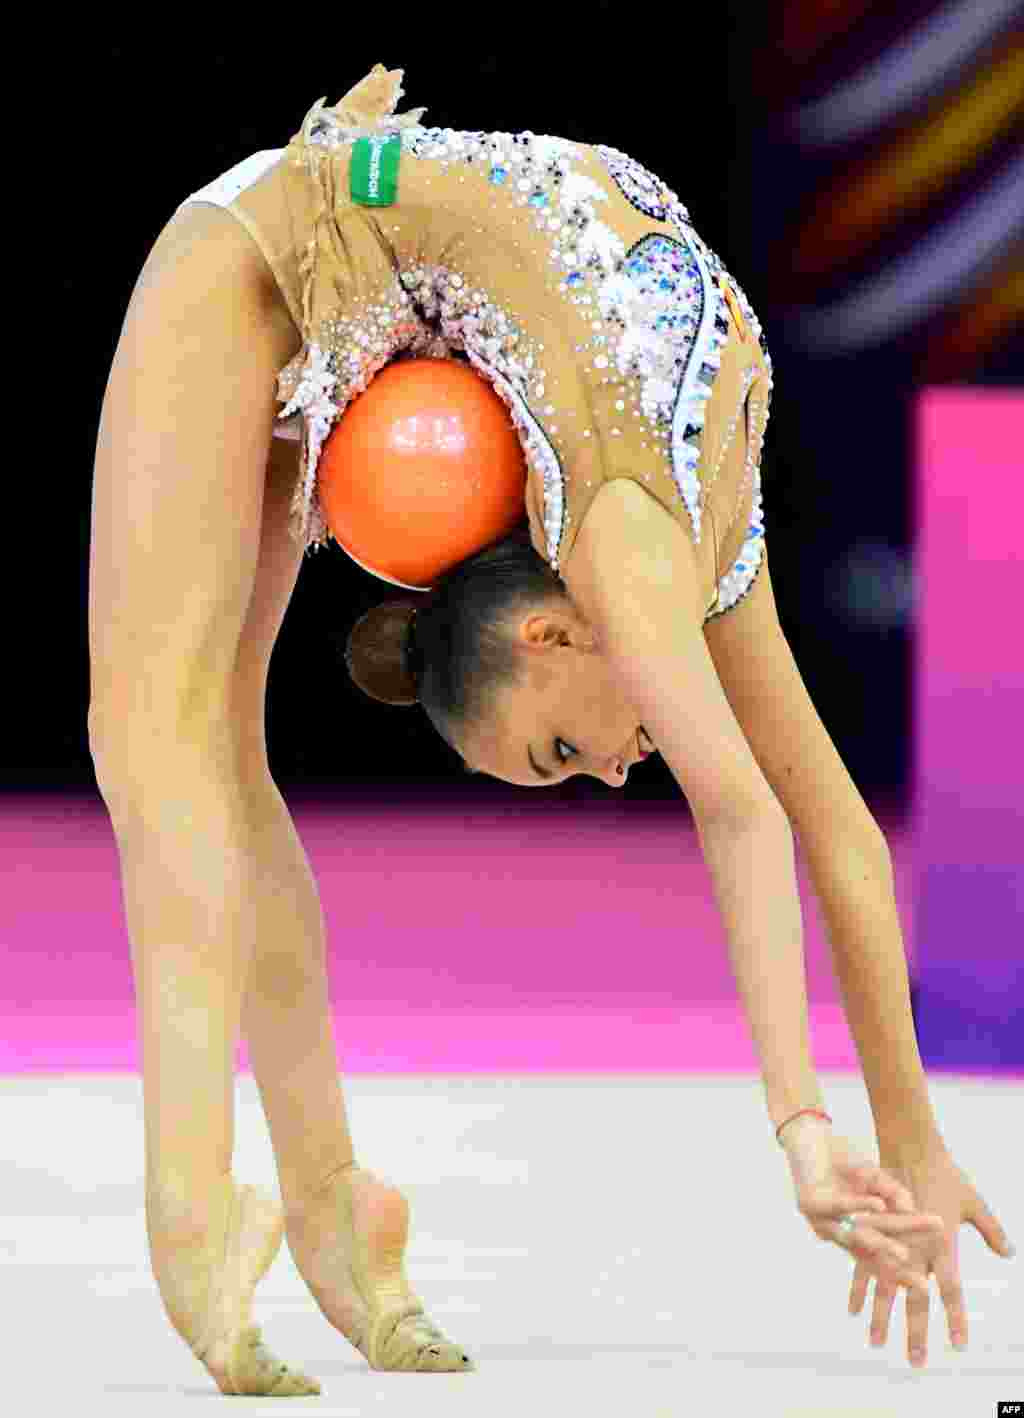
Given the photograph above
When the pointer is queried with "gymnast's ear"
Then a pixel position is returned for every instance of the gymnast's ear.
(633, 574)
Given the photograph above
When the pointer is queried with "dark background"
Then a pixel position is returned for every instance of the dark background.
(134, 123)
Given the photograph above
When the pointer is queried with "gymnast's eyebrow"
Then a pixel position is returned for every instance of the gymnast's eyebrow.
(541, 772)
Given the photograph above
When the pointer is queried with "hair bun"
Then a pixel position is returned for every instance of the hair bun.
(376, 653)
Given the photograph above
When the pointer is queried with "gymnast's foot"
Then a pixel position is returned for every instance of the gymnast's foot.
(348, 1244)
(207, 1287)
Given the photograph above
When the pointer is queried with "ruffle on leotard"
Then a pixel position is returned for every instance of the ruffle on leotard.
(367, 109)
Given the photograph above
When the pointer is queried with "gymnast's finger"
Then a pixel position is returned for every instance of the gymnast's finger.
(859, 1287)
(886, 1259)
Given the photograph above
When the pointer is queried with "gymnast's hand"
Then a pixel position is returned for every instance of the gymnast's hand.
(832, 1180)
(938, 1183)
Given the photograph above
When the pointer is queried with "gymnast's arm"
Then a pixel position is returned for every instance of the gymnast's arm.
(847, 856)
(633, 574)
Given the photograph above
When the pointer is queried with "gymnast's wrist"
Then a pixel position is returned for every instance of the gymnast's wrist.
(813, 1117)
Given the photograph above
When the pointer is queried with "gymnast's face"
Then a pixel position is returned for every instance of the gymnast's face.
(568, 716)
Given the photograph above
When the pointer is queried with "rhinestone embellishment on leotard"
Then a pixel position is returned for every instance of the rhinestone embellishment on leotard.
(664, 312)
(641, 188)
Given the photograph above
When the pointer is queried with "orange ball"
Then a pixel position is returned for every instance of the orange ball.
(423, 470)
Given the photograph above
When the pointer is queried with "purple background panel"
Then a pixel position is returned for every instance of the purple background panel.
(969, 762)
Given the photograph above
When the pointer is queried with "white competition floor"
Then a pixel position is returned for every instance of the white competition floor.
(600, 1245)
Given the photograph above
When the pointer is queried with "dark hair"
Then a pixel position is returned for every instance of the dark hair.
(462, 652)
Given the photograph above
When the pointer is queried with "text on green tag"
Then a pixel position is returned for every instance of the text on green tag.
(373, 173)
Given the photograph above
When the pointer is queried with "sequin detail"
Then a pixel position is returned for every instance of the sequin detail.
(331, 370)
(641, 188)
(501, 350)
(665, 294)
(539, 170)
(667, 319)
(673, 330)
(649, 194)
(656, 199)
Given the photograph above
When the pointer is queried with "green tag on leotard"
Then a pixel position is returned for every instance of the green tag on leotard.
(373, 172)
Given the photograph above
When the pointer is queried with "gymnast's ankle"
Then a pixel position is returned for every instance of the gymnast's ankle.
(180, 1210)
(301, 1197)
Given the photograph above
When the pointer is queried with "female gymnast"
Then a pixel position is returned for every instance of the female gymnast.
(637, 611)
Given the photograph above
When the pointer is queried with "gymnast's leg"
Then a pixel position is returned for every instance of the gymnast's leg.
(177, 504)
(347, 1228)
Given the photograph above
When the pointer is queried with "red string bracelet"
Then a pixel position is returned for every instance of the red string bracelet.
(817, 1112)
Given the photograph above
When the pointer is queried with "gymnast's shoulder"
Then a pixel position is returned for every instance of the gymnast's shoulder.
(633, 574)
(627, 545)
